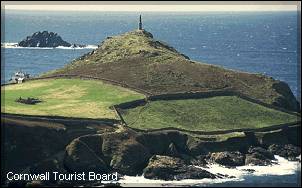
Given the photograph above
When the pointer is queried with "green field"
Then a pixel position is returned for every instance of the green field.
(66, 97)
(209, 114)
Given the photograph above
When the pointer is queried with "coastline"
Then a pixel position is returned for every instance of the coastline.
(270, 174)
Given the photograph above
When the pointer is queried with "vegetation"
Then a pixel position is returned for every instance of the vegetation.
(215, 137)
(130, 44)
(210, 114)
(66, 97)
(136, 59)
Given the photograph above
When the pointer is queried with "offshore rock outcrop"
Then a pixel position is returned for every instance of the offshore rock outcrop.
(46, 39)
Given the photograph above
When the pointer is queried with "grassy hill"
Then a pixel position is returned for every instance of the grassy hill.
(137, 59)
(66, 97)
(209, 114)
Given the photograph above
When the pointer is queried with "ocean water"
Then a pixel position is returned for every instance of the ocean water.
(258, 42)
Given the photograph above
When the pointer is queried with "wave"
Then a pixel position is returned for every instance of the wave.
(77, 48)
(281, 167)
(15, 46)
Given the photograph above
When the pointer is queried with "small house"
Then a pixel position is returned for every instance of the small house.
(19, 77)
(20, 80)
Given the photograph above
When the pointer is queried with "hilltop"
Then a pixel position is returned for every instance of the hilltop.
(137, 59)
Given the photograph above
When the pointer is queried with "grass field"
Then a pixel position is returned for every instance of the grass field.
(209, 114)
(66, 97)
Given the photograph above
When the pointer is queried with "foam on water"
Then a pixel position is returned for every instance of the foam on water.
(77, 48)
(15, 46)
(282, 167)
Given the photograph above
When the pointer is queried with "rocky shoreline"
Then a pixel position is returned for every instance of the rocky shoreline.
(165, 155)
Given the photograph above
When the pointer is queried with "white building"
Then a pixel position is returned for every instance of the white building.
(19, 77)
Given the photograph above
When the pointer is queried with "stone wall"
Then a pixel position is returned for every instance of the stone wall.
(264, 129)
(113, 82)
(59, 119)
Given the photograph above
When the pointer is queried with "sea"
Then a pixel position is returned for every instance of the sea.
(256, 42)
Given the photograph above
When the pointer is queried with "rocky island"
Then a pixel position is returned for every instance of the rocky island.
(245, 119)
(46, 39)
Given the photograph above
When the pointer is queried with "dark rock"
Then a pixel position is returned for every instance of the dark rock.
(158, 142)
(187, 158)
(48, 165)
(163, 167)
(265, 139)
(261, 151)
(202, 147)
(258, 156)
(172, 151)
(111, 143)
(227, 158)
(257, 159)
(120, 151)
(170, 168)
(78, 46)
(53, 164)
(286, 99)
(45, 39)
(112, 185)
(194, 173)
(249, 170)
(35, 183)
(219, 175)
(288, 151)
(41, 142)
(131, 158)
(19, 183)
(199, 161)
(294, 135)
(79, 157)
(185, 56)
(179, 140)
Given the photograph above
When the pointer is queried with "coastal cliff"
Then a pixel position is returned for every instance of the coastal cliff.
(166, 155)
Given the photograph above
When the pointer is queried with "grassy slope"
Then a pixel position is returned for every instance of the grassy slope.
(66, 97)
(138, 60)
(210, 114)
